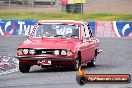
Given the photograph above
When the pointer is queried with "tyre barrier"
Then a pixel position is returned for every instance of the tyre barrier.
(8, 65)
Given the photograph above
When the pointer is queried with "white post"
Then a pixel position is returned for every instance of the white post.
(32, 3)
(81, 7)
(9, 3)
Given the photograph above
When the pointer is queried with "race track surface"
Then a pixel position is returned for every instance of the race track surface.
(115, 59)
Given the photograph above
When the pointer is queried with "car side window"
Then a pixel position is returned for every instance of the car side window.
(83, 32)
(87, 31)
(90, 30)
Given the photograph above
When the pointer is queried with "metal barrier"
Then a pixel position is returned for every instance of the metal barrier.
(14, 3)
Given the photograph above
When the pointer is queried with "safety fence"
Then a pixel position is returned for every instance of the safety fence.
(68, 6)
(99, 28)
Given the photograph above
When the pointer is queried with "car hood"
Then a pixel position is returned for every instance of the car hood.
(48, 43)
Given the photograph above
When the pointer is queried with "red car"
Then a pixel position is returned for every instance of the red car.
(58, 43)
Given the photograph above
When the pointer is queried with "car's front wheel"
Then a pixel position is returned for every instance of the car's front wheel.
(24, 68)
(77, 63)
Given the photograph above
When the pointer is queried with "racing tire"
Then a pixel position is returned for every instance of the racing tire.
(75, 67)
(24, 68)
(92, 63)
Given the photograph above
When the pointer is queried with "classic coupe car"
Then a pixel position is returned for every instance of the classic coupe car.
(58, 43)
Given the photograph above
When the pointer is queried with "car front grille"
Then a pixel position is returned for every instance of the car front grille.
(44, 51)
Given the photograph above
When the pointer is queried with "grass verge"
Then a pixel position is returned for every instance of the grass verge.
(63, 16)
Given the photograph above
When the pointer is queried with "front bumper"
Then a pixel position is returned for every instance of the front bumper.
(43, 58)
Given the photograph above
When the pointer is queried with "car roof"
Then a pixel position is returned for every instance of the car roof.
(60, 21)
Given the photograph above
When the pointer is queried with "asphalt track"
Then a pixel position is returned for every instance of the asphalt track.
(115, 59)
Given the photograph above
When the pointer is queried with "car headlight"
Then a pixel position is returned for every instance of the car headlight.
(19, 51)
(32, 51)
(69, 53)
(25, 51)
(56, 52)
(63, 52)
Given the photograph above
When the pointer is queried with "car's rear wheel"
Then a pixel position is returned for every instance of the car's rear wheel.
(77, 63)
(92, 63)
(24, 68)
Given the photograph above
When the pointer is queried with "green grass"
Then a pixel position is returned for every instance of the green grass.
(63, 16)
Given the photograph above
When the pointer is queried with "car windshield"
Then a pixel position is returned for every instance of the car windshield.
(56, 30)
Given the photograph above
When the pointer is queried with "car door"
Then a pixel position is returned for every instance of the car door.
(85, 51)
(91, 42)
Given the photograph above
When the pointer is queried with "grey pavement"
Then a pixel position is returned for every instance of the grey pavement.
(115, 59)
